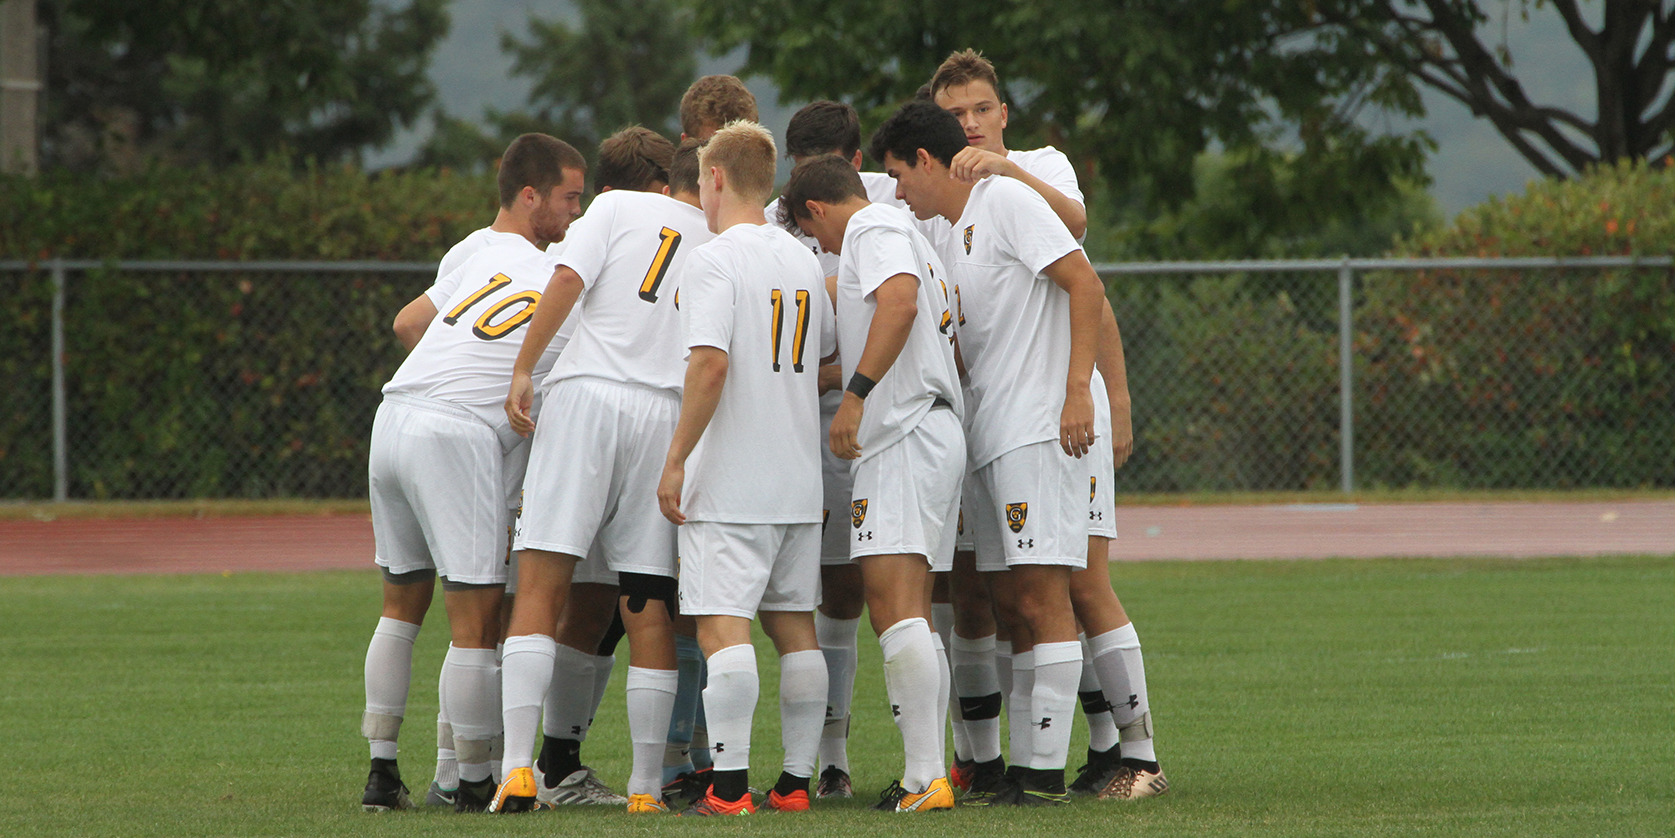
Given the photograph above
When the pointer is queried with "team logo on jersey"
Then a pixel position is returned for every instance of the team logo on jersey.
(1015, 515)
(858, 512)
(1093, 488)
(968, 239)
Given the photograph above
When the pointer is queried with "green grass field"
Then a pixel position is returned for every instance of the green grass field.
(1469, 697)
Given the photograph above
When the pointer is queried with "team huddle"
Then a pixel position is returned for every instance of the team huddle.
(885, 393)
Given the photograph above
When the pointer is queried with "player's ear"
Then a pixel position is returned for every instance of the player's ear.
(856, 160)
(665, 189)
(923, 157)
(1002, 115)
(528, 195)
(815, 210)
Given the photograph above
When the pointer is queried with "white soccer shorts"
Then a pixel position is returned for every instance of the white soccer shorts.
(437, 491)
(593, 473)
(740, 569)
(1102, 468)
(1030, 508)
(907, 496)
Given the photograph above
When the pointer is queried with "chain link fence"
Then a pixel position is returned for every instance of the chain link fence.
(260, 380)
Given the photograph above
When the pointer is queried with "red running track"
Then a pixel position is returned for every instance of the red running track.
(1148, 533)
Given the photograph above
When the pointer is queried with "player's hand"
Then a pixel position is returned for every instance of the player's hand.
(831, 378)
(972, 164)
(518, 402)
(845, 427)
(1122, 432)
(1076, 422)
(668, 493)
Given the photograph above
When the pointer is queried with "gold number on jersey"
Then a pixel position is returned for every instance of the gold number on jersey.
(487, 329)
(947, 323)
(799, 336)
(959, 309)
(498, 282)
(670, 240)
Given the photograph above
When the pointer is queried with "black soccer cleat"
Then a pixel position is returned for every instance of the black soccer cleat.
(384, 789)
(1101, 767)
(474, 797)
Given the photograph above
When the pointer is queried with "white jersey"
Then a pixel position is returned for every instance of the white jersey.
(1014, 322)
(466, 356)
(446, 283)
(879, 243)
(1052, 168)
(629, 249)
(759, 295)
(881, 189)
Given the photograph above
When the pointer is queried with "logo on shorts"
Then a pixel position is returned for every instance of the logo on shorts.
(1093, 488)
(1015, 515)
(960, 527)
(825, 515)
(968, 239)
(858, 512)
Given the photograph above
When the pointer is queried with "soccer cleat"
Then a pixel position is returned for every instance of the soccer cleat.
(646, 803)
(938, 795)
(989, 780)
(709, 805)
(439, 796)
(384, 789)
(581, 788)
(474, 797)
(1101, 767)
(689, 786)
(796, 801)
(1029, 787)
(834, 782)
(1135, 780)
(517, 794)
(960, 772)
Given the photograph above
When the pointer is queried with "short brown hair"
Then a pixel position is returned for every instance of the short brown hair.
(823, 127)
(634, 158)
(828, 178)
(964, 67)
(683, 172)
(536, 160)
(714, 101)
(745, 151)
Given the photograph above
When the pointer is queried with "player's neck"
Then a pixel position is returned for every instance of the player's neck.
(952, 200)
(735, 211)
(506, 221)
(690, 198)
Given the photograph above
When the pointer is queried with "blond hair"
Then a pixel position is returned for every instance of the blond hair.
(745, 151)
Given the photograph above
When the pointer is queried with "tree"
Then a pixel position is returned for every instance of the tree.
(220, 81)
(1133, 90)
(626, 64)
(1442, 44)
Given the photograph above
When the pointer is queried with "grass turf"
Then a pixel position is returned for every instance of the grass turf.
(1458, 697)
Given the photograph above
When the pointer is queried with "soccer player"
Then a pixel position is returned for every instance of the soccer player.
(589, 627)
(899, 424)
(612, 401)
(1031, 307)
(440, 453)
(757, 322)
(826, 127)
(966, 86)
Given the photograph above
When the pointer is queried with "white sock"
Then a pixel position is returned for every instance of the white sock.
(910, 679)
(837, 646)
(944, 694)
(973, 664)
(568, 709)
(802, 709)
(472, 702)
(942, 624)
(729, 705)
(603, 666)
(447, 770)
(1004, 667)
(651, 700)
(1122, 674)
(1058, 667)
(1017, 706)
(1102, 731)
(526, 671)
(389, 672)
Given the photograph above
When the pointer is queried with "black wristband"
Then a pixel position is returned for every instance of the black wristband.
(860, 385)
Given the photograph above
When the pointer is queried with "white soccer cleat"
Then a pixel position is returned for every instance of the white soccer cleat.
(581, 788)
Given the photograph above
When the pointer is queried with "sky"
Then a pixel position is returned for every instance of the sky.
(1472, 161)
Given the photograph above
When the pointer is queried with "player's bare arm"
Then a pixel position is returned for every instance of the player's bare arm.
(1115, 370)
(1073, 273)
(706, 374)
(898, 305)
(562, 292)
(412, 321)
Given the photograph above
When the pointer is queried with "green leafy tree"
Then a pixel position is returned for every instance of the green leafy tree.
(219, 81)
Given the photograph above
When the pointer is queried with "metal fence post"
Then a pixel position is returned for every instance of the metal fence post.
(1346, 378)
(60, 434)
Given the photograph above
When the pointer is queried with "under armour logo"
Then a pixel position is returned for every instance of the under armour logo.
(895, 709)
(831, 713)
(575, 730)
(1096, 516)
(864, 536)
(1046, 722)
(718, 747)
(1024, 543)
(1132, 702)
